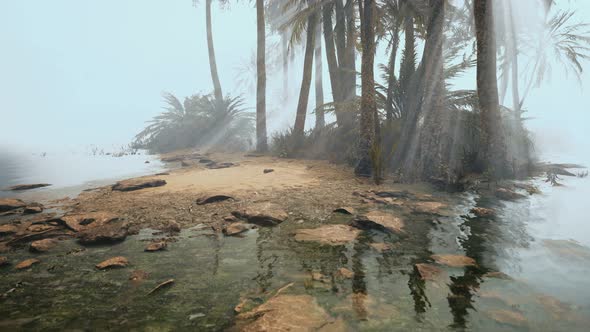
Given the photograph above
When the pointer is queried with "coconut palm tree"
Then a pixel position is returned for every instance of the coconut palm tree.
(261, 138)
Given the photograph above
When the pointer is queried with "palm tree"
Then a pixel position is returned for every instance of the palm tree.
(319, 89)
(212, 62)
(368, 118)
(261, 138)
(492, 154)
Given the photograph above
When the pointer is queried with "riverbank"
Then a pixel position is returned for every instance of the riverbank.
(230, 237)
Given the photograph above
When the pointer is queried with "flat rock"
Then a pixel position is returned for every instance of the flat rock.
(344, 273)
(118, 261)
(235, 228)
(9, 204)
(345, 210)
(81, 221)
(395, 194)
(3, 261)
(215, 165)
(482, 212)
(156, 246)
(8, 229)
(497, 275)
(27, 263)
(137, 184)
(108, 233)
(212, 199)
(263, 214)
(42, 245)
(33, 208)
(508, 317)
(454, 260)
(428, 271)
(381, 247)
(285, 313)
(20, 187)
(380, 220)
(427, 207)
(508, 195)
(333, 235)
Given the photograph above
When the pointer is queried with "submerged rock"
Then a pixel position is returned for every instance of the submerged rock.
(236, 228)
(20, 187)
(286, 313)
(497, 275)
(137, 184)
(381, 247)
(212, 199)
(96, 227)
(454, 260)
(428, 271)
(263, 214)
(138, 275)
(156, 246)
(3, 261)
(428, 207)
(27, 263)
(113, 262)
(42, 245)
(508, 317)
(380, 220)
(482, 212)
(333, 235)
(344, 273)
(9, 204)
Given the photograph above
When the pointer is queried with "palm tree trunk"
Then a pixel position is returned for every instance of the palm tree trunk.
(368, 103)
(212, 63)
(335, 80)
(299, 127)
(319, 88)
(408, 65)
(285, 56)
(492, 149)
(391, 81)
(261, 140)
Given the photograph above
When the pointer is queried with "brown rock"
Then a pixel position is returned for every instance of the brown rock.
(33, 208)
(333, 235)
(481, 212)
(108, 233)
(268, 170)
(557, 309)
(39, 228)
(20, 187)
(212, 199)
(172, 227)
(428, 207)
(138, 276)
(344, 273)
(497, 275)
(454, 260)
(137, 184)
(345, 210)
(380, 220)
(508, 317)
(235, 228)
(156, 246)
(508, 195)
(81, 221)
(263, 214)
(118, 261)
(3, 261)
(42, 245)
(8, 229)
(381, 247)
(8, 204)
(215, 165)
(27, 263)
(285, 313)
(427, 271)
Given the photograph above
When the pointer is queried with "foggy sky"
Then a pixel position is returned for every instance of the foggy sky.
(81, 72)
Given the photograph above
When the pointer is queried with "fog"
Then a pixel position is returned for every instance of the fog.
(82, 73)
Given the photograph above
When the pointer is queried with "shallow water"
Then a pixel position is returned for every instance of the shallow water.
(70, 170)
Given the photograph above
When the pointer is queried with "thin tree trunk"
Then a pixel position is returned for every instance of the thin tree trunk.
(299, 127)
(285, 56)
(335, 81)
(319, 88)
(492, 149)
(408, 65)
(212, 63)
(261, 140)
(391, 81)
(368, 103)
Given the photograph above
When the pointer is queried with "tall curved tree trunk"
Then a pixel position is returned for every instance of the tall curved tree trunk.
(261, 140)
(408, 64)
(212, 63)
(319, 88)
(492, 151)
(333, 69)
(299, 127)
(285, 56)
(391, 79)
(368, 102)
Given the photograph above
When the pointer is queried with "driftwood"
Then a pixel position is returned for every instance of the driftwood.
(166, 283)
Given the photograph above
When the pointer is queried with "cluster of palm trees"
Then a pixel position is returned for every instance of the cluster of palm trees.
(413, 122)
